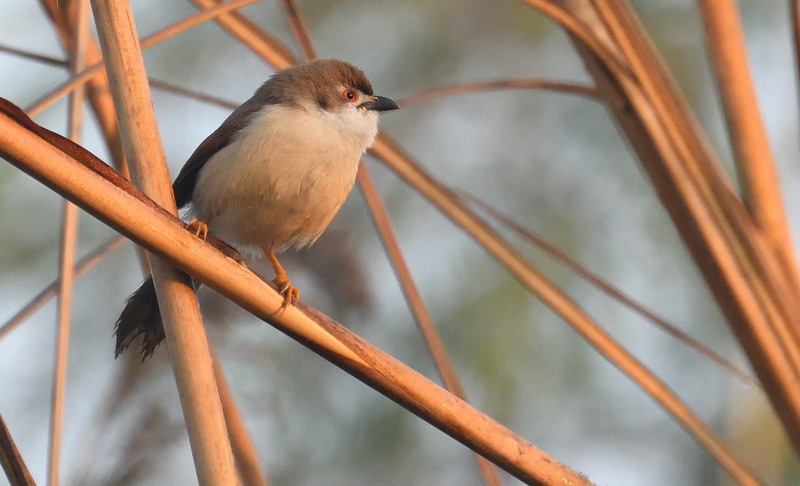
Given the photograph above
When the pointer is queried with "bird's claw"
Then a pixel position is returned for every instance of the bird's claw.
(199, 228)
(290, 294)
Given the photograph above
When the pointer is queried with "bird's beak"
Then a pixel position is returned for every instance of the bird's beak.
(379, 103)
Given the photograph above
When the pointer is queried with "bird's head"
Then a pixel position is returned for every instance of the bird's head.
(334, 90)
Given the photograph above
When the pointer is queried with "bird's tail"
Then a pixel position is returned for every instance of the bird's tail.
(140, 317)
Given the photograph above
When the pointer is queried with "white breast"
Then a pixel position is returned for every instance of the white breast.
(284, 177)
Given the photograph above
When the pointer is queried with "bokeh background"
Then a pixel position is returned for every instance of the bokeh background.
(554, 162)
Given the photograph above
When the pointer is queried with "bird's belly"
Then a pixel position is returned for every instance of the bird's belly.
(263, 202)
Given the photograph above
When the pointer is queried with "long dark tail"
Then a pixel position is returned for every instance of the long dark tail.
(140, 317)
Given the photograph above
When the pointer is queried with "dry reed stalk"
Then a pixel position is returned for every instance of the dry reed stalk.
(300, 32)
(747, 134)
(416, 305)
(69, 225)
(249, 34)
(498, 84)
(193, 94)
(10, 459)
(412, 295)
(97, 89)
(66, 276)
(185, 335)
(743, 272)
(794, 7)
(33, 56)
(149, 225)
(79, 13)
(244, 452)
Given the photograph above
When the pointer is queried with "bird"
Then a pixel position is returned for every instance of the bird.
(272, 176)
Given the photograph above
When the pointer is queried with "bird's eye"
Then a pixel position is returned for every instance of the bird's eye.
(350, 95)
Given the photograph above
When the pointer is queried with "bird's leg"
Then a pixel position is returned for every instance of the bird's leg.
(281, 281)
(200, 228)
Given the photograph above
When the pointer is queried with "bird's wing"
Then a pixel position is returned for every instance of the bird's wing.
(183, 187)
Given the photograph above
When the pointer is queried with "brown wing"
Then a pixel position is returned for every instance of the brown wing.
(183, 187)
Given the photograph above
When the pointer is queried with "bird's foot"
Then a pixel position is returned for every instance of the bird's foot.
(199, 228)
(281, 281)
(290, 294)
